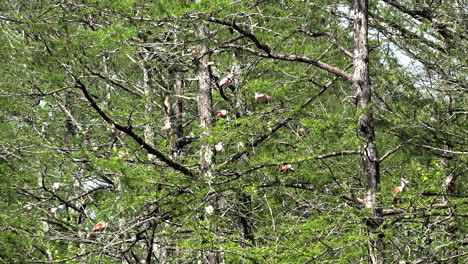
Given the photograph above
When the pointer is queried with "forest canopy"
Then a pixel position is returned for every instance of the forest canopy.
(258, 131)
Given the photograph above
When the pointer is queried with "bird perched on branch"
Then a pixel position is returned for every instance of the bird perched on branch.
(399, 189)
(219, 147)
(100, 226)
(122, 154)
(167, 126)
(262, 98)
(221, 113)
(286, 168)
(449, 184)
(56, 186)
(226, 81)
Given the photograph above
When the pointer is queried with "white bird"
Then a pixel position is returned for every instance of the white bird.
(167, 126)
(399, 189)
(449, 184)
(56, 186)
(226, 81)
(219, 147)
(240, 146)
(209, 209)
(122, 154)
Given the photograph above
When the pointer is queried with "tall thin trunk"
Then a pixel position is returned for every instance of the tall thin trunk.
(205, 111)
(449, 184)
(71, 124)
(245, 213)
(362, 91)
(147, 89)
(205, 104)
(449, 180)
(175, 109)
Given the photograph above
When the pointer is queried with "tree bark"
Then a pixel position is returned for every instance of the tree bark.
(362, 91)
(177, 109)
(205, 112)
(449, 185)
(148, 91)
(205, 104)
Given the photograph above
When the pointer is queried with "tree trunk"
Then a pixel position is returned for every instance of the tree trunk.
(205, 104)
(245, 214)
(205, 111)
(449, 185)
(362, 92)
(147, 89)
(205, 108)
(177, 110)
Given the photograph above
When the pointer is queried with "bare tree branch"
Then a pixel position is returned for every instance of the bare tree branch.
(258, 141)
(129, 131)
(393, 150)
(443, 29)
(268, 53)
(341, 153)
(328, 34)
(441, 150)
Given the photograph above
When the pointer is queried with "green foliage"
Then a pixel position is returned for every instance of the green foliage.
(63, 168)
